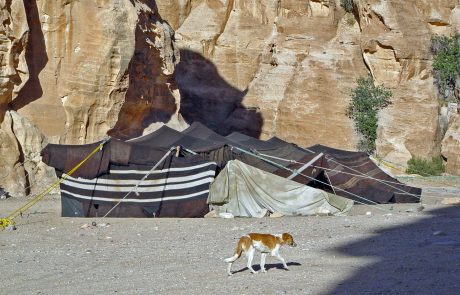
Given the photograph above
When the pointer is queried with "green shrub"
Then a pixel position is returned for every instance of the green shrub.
(446, 63)
(350, 19)
(366, 101)
(347, 5)
(425, 167)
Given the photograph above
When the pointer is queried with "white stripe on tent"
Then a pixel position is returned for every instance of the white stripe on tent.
(145, 182)
(297, 172)
(97, 187)
(163, 170)
(135, 200)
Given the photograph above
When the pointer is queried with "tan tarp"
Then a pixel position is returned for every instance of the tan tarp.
(245, 191)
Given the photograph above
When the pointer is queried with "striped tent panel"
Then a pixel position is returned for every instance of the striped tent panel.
(171, 192)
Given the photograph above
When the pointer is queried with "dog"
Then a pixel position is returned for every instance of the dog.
(264, 243)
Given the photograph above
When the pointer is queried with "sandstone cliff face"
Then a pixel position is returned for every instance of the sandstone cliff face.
(22, 171)
(396, 49)
(79, 70)
(451, 145)
(289, 67)
(96, 66)
(13, 40)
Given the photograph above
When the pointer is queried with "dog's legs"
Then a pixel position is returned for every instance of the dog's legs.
(230, 261)
(250, 254)
(262, 262)
(229, 268)
(242, 245)
(278, 256)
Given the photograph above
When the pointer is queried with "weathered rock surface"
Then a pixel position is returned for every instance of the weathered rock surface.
(22, 171)
(79, 70)
(451, 145)
(95, 66)
(13, 40)
(286, 68)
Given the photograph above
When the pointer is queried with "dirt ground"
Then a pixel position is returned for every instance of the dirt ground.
(401, 249)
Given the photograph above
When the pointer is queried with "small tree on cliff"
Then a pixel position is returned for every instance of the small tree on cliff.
(366, 101)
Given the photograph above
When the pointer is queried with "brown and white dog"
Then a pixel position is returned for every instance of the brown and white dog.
(264, 243)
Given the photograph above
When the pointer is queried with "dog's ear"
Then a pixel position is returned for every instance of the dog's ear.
(286, 237)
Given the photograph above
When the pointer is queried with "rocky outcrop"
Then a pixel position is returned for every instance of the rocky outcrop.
(11, 173)
(96, 66)
(286, 68)
(13, 41)
(78, 70)
(395, 45)
(451, 145)
(22, 171)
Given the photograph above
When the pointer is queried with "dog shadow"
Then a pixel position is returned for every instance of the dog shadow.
(256, 267)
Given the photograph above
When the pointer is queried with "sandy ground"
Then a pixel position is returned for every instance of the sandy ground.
(399, 250)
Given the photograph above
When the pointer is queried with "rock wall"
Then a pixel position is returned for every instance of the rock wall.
(74, 71)
(79, 70)
(96, 66)
(451, 145)
(286, 68)
(13, 40)
(22, 171)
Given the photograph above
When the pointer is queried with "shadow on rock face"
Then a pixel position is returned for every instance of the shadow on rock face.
(149, 96)
(36, 58)
(207, 98)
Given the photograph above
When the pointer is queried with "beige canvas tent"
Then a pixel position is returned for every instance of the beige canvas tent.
(246, 191)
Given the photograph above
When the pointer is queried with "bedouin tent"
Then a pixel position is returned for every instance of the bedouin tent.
(246, 191)
(128, 179)
(349, 174)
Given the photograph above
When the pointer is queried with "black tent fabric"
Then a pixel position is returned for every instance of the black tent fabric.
(349, 174)
(178, 187)
(356, 174)
(65, 157)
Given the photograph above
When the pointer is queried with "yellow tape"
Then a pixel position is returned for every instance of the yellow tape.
(5, 222)
(32, 202)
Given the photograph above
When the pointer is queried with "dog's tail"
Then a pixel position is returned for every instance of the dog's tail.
(243, 244)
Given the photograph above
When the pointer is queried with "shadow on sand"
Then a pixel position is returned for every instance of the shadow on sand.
(268, 267)
(417, 258)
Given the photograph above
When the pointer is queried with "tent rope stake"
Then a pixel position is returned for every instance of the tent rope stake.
(21, 210)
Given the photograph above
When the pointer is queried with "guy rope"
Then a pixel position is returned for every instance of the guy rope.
(135, 187)
(5, 222)
(375, 204)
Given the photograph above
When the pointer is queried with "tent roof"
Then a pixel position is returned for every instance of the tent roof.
(198, 130)
(166, 137)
